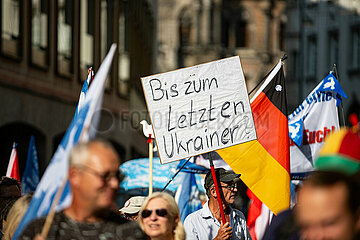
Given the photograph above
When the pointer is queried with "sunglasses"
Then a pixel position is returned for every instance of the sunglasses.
(160, 212)
(231, 187)
(105, 177)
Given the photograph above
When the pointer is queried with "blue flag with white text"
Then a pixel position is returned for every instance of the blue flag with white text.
(30, 179)
(82, 128)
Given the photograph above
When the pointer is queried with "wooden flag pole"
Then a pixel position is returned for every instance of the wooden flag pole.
(217, 189)
(50, 216)
(151, 153)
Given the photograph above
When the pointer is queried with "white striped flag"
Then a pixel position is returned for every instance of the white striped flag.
(13, 167)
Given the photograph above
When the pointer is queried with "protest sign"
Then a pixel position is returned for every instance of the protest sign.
(199, 109)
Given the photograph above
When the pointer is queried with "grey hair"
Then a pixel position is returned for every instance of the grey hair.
(79, 154)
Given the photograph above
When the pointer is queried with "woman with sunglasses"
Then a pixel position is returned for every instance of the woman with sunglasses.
(159, 217)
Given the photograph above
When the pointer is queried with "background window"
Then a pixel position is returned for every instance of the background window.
(311, 58)
(184, 27)
(39, 32)
(65, 37)
(282, 32)
(86, 37)
(355, 48)
(10, 28)
(241, 33)
(124, 59)
(106, 33)
(333, 49)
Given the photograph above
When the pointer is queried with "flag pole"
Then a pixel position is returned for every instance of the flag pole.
(176, 173)
(50, 216)
(217, 189)
(151, 146)
(284, 57)
(341, 103)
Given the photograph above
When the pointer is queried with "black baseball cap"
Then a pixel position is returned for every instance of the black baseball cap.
(222, 176)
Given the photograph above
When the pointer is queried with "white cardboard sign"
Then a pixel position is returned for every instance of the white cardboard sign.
(199, 109)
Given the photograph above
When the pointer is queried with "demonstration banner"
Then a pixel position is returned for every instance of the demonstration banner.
(199, 109)
(311, 123)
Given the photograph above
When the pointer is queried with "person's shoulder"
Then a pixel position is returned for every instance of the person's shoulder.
(123, 228)
(129, 231)
(193, 216)
(33, 228)
(283, 226)
(113, 217)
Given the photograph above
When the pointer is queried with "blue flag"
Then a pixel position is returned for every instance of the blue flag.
(330, 83)
(192, 167)
(84, 90)
(30, 178)
(82, 127)
(189, 198)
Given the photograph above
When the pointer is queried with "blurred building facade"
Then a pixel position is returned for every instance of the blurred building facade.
(46, 49)
(320, 34)
(197, 31)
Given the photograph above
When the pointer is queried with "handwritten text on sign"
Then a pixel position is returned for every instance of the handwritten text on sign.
(199, 109)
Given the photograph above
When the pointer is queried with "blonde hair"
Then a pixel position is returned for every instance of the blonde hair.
(179, 232)
(15, 215)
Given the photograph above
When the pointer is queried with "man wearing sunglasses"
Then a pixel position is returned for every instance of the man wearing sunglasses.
(94, 179)
(206, 223)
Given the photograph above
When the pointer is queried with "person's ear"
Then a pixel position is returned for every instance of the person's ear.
(213, 192)
(74, 176)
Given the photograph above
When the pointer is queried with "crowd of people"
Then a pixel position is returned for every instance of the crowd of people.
(327, 203)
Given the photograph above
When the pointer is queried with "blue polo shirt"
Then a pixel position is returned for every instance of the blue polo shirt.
(201, 225)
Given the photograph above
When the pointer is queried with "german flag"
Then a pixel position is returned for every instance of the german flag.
(264, 163)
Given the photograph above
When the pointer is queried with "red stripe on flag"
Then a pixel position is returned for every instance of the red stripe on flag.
(13, 166)
(254, 213)
(272, 129)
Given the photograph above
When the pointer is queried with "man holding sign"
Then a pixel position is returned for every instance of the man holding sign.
(201, 109)
(206, 223)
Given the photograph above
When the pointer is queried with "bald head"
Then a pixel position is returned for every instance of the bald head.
(80, 154)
